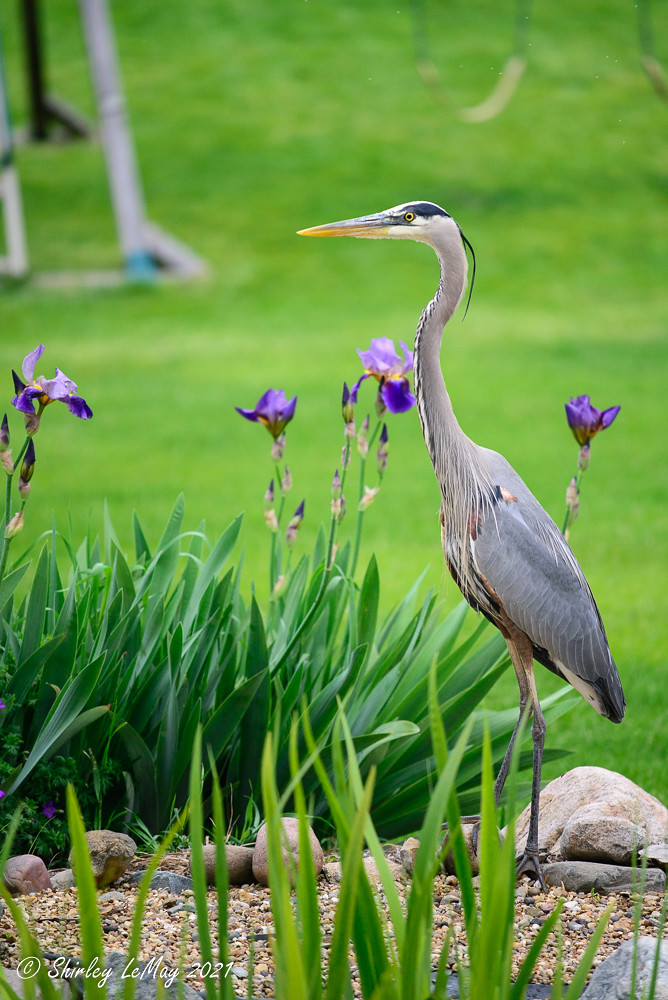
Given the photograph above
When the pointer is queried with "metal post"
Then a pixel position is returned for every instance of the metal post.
(39, 114)
(124, 182)
(15, 262)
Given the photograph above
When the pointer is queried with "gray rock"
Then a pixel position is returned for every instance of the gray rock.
(26, 873)
(63, 879)
(291, 828)
(585, 876)
(656, 854)
(146, 976)
(15, 982)
(332, 871)
(110, 855)
(591, 813)
(239, 864)
(612, 978)
(171, 882)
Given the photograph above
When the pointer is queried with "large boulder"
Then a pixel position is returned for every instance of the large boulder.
(26, 873)
(110, 855)
(290, 855)
(592, 814)
(612, 978)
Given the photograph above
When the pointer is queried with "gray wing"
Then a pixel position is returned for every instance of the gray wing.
(522, 558)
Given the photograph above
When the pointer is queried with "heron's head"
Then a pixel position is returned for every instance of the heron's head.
(416, 220)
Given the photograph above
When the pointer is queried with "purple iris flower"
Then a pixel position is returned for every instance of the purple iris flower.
(49, 810)
(586, 420)
(273, 410)
(59, 388)
(383, 363)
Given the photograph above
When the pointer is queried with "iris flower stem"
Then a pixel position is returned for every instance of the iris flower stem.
(6, 542)
(360, 513)
(275, 554)
(326, 573)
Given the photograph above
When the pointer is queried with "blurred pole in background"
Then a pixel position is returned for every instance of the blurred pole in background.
(124, 182)
(15, 260)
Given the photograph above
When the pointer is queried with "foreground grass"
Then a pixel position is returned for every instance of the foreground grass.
(254, 120)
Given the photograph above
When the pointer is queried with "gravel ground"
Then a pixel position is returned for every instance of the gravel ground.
(170, 931)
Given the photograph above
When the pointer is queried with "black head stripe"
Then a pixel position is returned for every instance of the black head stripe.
(427, 209)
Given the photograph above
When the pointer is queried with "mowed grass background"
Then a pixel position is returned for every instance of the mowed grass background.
(255, 119)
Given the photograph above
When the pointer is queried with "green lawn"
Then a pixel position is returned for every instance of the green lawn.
(255, 119)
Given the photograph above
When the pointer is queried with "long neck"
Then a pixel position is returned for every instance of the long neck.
(456, 459)
(439, 424)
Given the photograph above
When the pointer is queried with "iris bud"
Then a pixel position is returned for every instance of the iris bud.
(286, 482)
(381, 454)
(271, 520)
(4, 434)
(369, 497)
(347, 406)
(14, 526)
(293, 526)
(363, 438)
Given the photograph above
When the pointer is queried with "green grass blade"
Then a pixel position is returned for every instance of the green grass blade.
(197, 863)
(92, 947)
(290, 976)
(351, 872)
(307, 895)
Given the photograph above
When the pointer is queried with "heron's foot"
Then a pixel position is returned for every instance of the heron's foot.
(529, 864)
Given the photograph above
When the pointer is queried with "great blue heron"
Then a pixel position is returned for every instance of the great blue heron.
(506, 554)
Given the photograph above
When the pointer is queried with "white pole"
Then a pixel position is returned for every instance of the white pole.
(124, 182)
(15, 262)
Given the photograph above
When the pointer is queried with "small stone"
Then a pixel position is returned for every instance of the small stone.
(409, 850)
(332, 871)
(63, 879)
(291, 829)
(468, 834)
(26, 873)
(110, 855)
(396, 869)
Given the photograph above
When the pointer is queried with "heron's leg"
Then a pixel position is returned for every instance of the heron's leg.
(529, 862)
(525, 697)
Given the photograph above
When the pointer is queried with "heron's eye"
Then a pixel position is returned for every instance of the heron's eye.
(409, 216)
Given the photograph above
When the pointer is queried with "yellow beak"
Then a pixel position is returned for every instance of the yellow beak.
(369, 226)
